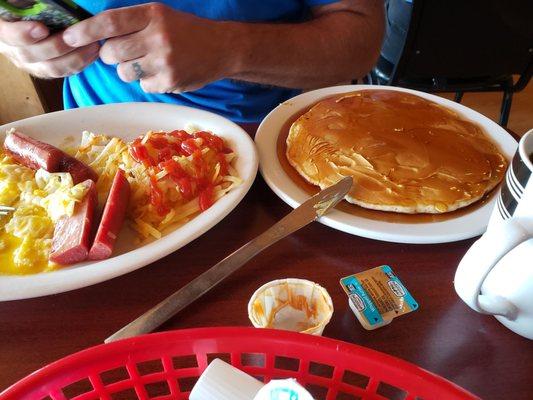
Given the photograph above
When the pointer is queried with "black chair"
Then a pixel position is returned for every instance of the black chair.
(458, 46)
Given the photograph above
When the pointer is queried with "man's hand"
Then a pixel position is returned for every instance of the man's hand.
(171, 51)
(30, 47)
(167, 50)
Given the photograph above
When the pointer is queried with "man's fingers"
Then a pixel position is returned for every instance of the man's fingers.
(165, 83)
(22, 33)
(47, 49)
(122, 49)
(135, 70)
(154, 76)
(152, 85)
(68, 64)
(108, 24)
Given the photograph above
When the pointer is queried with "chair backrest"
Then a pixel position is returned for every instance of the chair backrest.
(465, 39)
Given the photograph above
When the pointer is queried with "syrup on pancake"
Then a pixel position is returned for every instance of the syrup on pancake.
(406, 154)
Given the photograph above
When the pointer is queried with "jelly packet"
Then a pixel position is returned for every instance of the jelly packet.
(377, 296)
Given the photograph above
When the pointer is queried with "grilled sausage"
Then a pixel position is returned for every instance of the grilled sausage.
(112, 218)
(78, 170)
(32, 153)
(35, 154)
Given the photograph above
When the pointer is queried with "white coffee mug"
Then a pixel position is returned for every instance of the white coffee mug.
(496, 274)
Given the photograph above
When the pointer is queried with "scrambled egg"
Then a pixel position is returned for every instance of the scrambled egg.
(39, 198)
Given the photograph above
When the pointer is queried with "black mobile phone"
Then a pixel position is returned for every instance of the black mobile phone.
(55, 14)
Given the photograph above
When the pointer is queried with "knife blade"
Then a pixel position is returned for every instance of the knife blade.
(307, 212)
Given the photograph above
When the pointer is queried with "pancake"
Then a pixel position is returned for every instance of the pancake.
(405, 153)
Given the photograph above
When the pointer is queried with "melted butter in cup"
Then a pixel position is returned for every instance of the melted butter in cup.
(291, 304)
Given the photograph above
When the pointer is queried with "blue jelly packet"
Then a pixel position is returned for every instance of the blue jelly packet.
(377, 296)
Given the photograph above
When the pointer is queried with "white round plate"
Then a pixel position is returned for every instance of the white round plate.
(129, 120)
(461, 227)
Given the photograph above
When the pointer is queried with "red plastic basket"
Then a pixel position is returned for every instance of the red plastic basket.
(166, 365)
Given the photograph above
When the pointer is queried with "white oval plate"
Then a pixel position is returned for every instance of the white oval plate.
(461, 227)
(129, 120)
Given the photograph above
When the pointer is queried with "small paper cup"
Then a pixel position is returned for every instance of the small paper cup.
(291, 304)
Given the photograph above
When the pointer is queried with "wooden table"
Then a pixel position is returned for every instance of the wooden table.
(444, 336)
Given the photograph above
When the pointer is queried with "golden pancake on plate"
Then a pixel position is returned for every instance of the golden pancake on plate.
(405, 153)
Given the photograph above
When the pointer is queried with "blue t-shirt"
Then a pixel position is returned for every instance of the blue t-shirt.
(238, 101)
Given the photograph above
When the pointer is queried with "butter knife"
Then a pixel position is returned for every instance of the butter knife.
(301, 216)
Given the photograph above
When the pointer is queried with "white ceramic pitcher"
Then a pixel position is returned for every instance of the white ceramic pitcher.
(496, 274)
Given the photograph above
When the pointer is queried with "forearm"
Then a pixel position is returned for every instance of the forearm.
(330, 49)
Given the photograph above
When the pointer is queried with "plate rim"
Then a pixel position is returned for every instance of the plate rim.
(87, 274)
(278, 181)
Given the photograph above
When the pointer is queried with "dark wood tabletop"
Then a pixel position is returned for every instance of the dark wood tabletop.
(444, 336)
